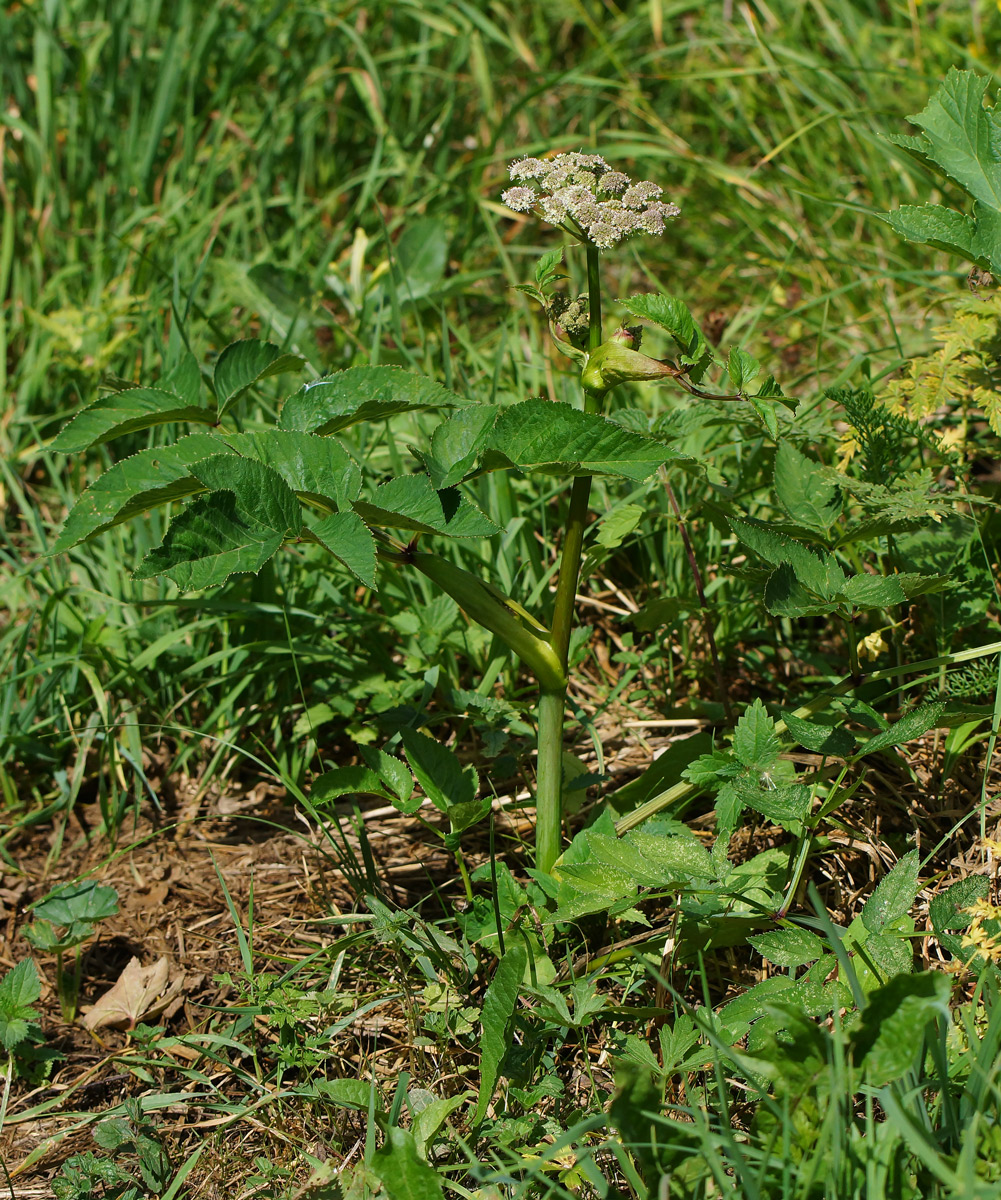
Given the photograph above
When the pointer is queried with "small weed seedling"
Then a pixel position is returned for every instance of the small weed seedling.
(64, 920)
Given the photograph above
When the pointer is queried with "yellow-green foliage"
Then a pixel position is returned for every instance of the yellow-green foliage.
(959, 380)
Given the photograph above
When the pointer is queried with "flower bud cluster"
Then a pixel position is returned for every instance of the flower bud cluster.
(582, 194)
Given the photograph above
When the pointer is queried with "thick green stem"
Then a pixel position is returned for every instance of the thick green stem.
(549, 779)
(552, 701)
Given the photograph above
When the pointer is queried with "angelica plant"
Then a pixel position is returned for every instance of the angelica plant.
(246, 493)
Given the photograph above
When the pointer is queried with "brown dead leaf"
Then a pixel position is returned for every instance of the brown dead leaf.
(140, 992)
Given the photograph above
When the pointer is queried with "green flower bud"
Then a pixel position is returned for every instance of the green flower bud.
(614, 363)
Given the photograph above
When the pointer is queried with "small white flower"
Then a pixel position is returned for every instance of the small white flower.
(639, 194)
(521, 199)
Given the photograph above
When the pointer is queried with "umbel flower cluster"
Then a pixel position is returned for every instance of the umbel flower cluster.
(584, 196)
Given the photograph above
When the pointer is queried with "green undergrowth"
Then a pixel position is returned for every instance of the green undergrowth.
(259, 294)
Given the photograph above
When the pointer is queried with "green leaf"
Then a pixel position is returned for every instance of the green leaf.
(894, 894)
(913, 725)
(390, 770)
(349, 540)
(821, 739)
(804, 490)
(943, 228)
(421, 258)
(545, 268)
(614, 528)
(348, 781)
(948, 909)
(234, 531)
(146, 480)
(777, 548)
(873, 591)
(498, 1010)
(243, 364)
(708, 769)
(21, 986)
(317, 469)
(785, 596)
(184, 379)
(457, 442)
(208, 542)
(362, 394)
(71, 902)
(755, 742)
(742, 369)
(557, 439)
(348, 1093)
(672, 314)
(785, 805)
(890, 1036)
(961, 136)
(126, 412)
(793, 947)
(438, 770)
(404, 1174)
(411, 502)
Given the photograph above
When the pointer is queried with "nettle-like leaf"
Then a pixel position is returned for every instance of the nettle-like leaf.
(411, 502)
(127, 412)
(245, 363)
(250, 512)
(894, 894)
(674, 315)
(805, 490)
(146, 480)
(362, 394)
(317, 469)
(959, 138)
(807, 583)
(350, 541)
(74, 902)
(557, 439)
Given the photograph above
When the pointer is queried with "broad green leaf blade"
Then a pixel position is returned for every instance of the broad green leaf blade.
(421, 258)
(411, 502)
(894, 894)
(349, 540)
(20, 986)
(786, 805)
(404, 1173)
(671, 314)
(184, 379)
(457, 443)
(318, 469)
(135, 485)
(777, 548)
(793, 947)
(126, 412)
(208, 542)
(498, 1009)
(948, 910)
(347, 781)
(891, 1034)
(821, 739)
(438, 770)
(743, 369)
(362, 394)
(235, 530)
(70, 902)
(243, 364)
(906, 729)
(803, 489)
(873, 591)
(262, 496)
(556, 439)
(755, 742)
(961, 136)
(943, 228)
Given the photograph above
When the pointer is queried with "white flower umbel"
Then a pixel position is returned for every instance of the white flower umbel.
(583, 195)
